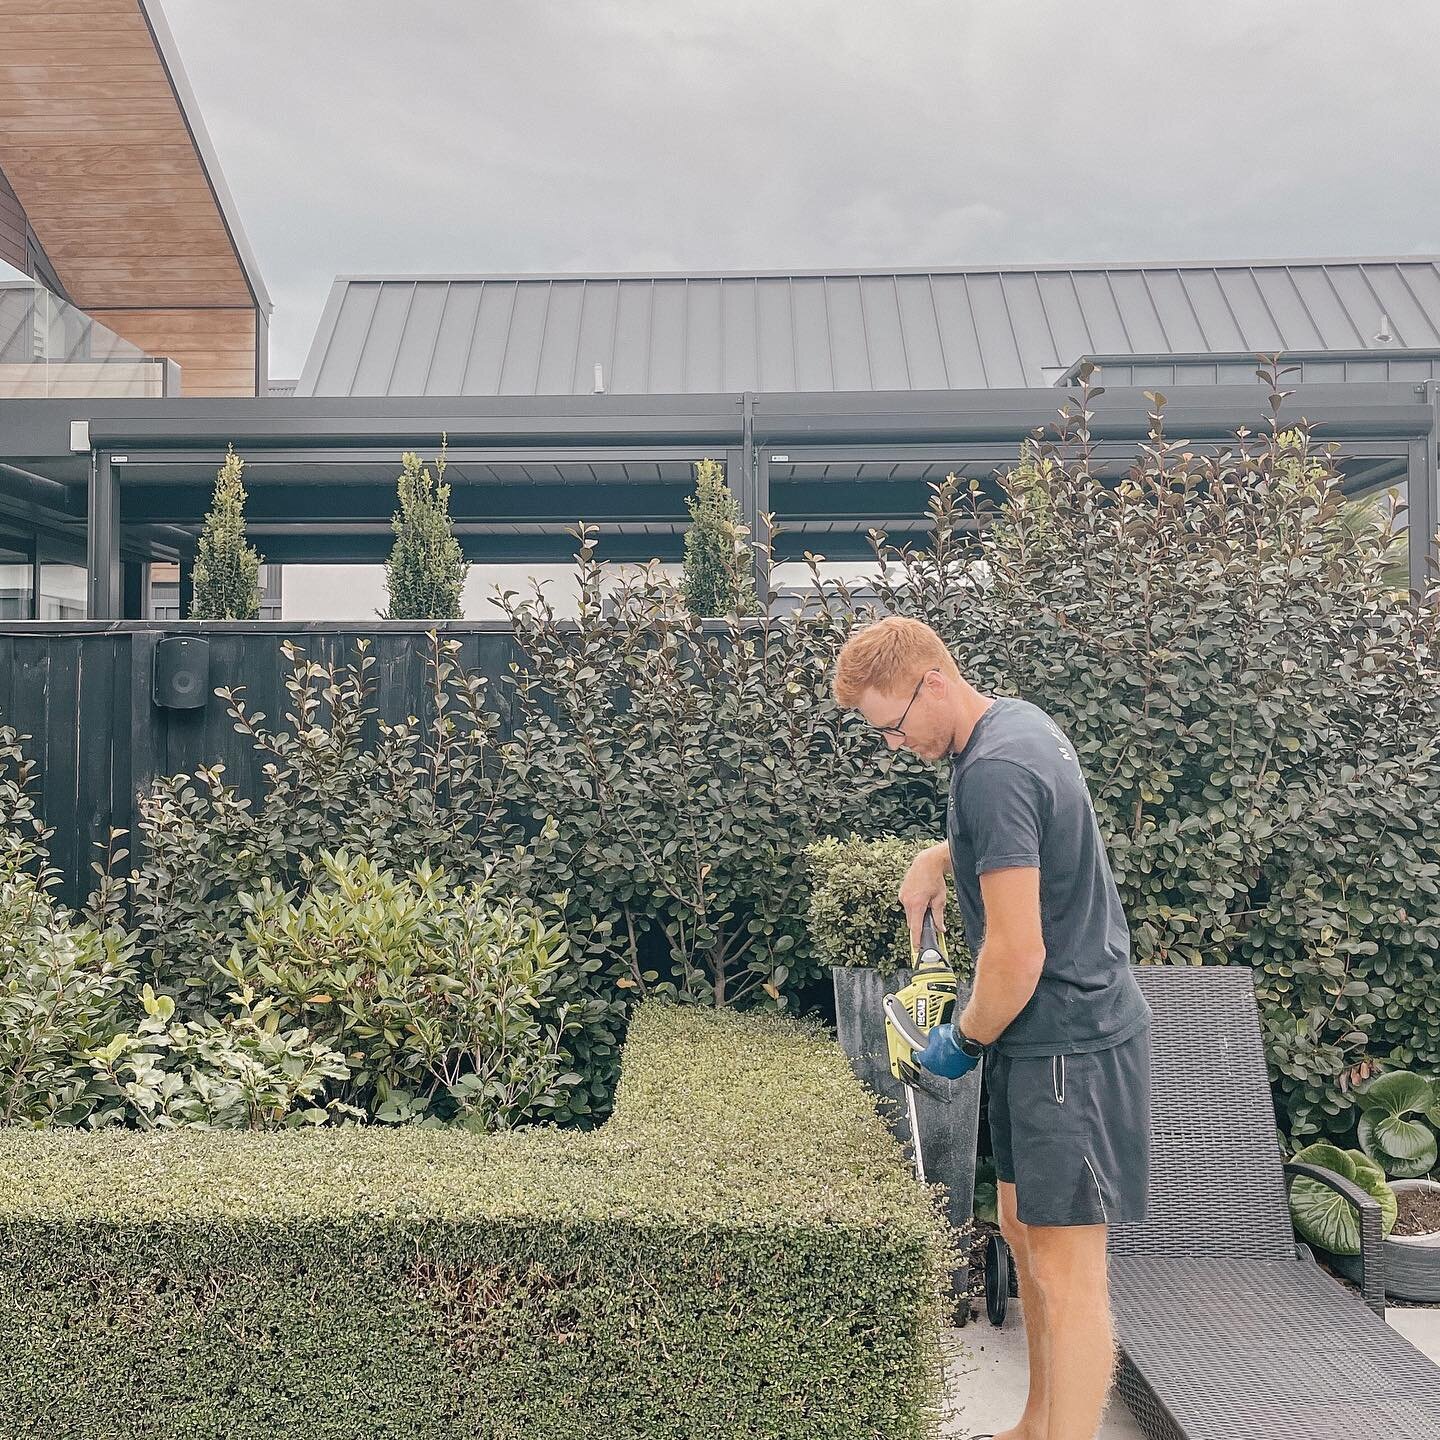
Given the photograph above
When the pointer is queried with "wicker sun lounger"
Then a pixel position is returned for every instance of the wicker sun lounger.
(1228, 1329)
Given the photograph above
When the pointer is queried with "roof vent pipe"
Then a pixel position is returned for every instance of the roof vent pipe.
(1383, 335)
(599, 378)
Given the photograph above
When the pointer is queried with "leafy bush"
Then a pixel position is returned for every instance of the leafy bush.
(855, 913)
(62, 983)
(62, 991)
(720, 1260)
(414, 801)
(1254, 708)
(1325, 1218)
(1393, 1132)
(239, 1072)
(434, 992)
(685, 767)
(409, 997)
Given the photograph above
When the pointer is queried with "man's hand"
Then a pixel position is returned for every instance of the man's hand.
(924, 888)
(943, 1056)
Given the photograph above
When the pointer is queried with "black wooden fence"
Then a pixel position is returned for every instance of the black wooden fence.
(83, 692)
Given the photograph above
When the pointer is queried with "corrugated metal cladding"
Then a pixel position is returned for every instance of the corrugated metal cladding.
(857, 330)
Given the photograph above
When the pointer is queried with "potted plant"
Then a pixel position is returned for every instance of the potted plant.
(858, 929)
(1410, 1214)
(1397, 1113)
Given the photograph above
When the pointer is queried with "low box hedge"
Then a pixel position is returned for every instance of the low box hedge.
(739, 1251)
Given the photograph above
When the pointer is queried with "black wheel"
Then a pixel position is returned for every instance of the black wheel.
(997, 1279)
(960, 1296)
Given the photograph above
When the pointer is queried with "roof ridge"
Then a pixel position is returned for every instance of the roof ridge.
(1049, 268)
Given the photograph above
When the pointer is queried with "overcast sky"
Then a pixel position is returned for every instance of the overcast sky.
(418, 136)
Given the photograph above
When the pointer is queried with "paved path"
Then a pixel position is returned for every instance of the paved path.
(988, 1375)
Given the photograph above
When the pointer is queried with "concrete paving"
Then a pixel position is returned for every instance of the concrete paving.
(989, 1372)
(988, 1377)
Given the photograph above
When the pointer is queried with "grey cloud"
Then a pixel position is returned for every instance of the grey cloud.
(478, 135)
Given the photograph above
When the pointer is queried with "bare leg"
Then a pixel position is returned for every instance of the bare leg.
(1034, 1420)
(1068, 1264)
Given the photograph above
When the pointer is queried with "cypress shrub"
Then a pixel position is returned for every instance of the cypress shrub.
(717, 577)
(425, 574)
(227, 570)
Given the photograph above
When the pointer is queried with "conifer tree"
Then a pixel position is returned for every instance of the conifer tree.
(717, 577)
(227, 571)
(425, 574)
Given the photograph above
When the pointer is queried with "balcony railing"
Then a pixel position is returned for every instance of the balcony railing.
(51, 348)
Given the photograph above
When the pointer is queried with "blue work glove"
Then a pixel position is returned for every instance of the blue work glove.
(943, 1056)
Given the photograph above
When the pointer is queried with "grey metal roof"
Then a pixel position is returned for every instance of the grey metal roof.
(852, 330)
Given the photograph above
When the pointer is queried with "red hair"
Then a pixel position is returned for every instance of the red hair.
(887, 656)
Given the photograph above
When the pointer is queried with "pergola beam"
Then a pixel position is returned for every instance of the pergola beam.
(150, 457)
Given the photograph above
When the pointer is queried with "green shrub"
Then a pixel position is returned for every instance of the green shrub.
(62, 983)
(1325, 1218)
(62, 991)
(22, 835)
(686, 766)
(238, 1072)
(1254, 708)
(741, 1250)
(717, 579)
(435, 992)
(415, 799)
(425, 574)
(855, 913)
(227, 570)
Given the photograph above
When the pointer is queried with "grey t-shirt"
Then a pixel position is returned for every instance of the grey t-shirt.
(1018, 798)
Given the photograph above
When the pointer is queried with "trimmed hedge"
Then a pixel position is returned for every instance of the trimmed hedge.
(740, 1250)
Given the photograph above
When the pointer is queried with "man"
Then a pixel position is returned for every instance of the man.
(1063, 1027)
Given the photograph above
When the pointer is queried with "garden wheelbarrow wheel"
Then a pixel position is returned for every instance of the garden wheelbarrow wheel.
(997, 1279)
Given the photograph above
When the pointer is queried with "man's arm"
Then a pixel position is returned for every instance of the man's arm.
(924, 889)
(1005, 808)
(1008, 967)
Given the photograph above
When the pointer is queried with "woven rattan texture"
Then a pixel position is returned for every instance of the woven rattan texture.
(1224, 1333)
(1277, 1350)
(1216, 1182)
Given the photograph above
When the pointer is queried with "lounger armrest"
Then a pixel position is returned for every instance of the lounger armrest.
(1372, 1227)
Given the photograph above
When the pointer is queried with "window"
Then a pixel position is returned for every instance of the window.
(17, 577)
(63, 583)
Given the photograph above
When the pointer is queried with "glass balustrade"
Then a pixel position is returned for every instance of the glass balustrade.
(50, 348)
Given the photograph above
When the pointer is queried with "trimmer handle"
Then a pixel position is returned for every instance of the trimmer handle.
(929, 940)
(932, 952)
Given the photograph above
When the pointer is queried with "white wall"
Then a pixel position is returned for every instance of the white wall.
(357, 592)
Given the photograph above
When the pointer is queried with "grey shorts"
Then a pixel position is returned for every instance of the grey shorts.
(1072, 1133)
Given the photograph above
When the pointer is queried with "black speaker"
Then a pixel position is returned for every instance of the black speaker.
(182, 672)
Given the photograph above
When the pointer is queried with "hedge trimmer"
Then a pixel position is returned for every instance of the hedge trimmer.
(910, 1014)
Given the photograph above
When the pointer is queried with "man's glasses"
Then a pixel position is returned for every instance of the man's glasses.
(898, 728)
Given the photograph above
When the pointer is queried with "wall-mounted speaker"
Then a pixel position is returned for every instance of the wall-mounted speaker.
(182, 672)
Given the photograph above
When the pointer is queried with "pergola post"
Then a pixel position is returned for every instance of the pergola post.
(753, 488)
(186, 598)
(1423, 484)
(762, 506)
(102, 540)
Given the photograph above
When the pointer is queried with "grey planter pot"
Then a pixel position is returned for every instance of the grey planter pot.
(949, 1128)
(1412, 1262)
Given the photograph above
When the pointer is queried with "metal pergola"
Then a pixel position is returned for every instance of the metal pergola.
(135, 477)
